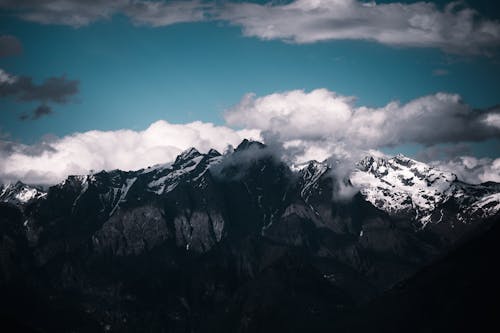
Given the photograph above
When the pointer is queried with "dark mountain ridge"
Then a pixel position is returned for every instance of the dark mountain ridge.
(234, 242)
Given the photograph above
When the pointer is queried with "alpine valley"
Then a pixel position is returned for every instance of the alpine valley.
(242, 242)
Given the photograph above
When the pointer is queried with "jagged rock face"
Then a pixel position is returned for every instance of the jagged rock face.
(132, 231)
(171, 243)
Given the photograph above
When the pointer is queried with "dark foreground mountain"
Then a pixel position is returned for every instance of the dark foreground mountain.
(233, 243)
(459, 293)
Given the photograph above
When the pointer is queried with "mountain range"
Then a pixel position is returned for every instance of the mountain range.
(240, 242)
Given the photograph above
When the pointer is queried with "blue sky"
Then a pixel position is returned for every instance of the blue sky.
(133, 75)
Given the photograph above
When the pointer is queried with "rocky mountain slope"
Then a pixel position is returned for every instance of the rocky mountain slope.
(20, 194)
(458, 293)
(236, 242)
(400, 185)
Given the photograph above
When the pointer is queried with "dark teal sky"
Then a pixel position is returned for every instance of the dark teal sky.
(131, 76)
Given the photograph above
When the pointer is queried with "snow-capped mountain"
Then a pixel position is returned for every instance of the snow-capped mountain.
(117, 187)
(403, 186)
(188, 244)
(20, 193)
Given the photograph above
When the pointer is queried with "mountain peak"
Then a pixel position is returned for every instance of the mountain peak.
(213, 153)
(187, 155)
(20, 193)
(401, 184)
(246, 144)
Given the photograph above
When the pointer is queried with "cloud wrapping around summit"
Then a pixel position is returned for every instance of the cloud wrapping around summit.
(298, 125)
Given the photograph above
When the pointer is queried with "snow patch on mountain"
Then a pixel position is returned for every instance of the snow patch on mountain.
(20, 193)
(486, 206)
(403, 186)
(310, 176)
(123, 193)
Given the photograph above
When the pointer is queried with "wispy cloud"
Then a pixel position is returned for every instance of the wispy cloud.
(77, 13)
(40, 111)
(440, 72)
(159, 14)
(298, 125)
(23, 89)
(456, 28)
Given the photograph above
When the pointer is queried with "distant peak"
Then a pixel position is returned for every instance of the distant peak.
(187, 155)
(213, 153)
(20, 193)
(246, 144)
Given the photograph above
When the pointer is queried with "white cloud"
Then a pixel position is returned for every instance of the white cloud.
(320, 124)
(471, 169)
(124, 149)
(493, 120)
(331, 122)
(302, 125)
(6, 78)
(455, 29)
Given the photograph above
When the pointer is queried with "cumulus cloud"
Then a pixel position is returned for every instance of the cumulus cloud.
(321, 123)
(10, 46)
(51, 161)
(324, 125)
(23, 89)
(76, 13)
(455, 29)
(296, 125)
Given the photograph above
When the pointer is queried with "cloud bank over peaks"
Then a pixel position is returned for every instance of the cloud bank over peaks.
(471, 169)
(298, 126)
(51, 161)
(321, 123)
